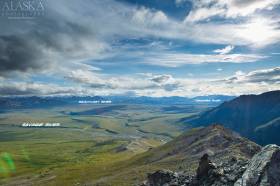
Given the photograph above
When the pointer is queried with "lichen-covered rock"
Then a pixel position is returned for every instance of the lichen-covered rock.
(263, 169)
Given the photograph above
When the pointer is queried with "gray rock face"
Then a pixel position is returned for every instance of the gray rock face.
(226, 173)
(263, 169)
(167, 178)
(205, 165)
(208, 174)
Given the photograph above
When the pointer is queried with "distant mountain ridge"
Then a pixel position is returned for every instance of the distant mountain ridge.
(211, 99)
(254, 116)
(42, 102)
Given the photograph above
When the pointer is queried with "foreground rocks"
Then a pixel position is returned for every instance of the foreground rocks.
(262, 170)
(163, 177)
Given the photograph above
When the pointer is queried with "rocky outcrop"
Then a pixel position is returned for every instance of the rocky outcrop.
(225, 173)
(166, 177)
(205, 165)
(208, 174)
(262, 170)
(186, 150)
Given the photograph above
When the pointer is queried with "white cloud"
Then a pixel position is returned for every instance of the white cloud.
(257, 31)
(166, 85)
(180, 59)
(151, 85)
(203, 13)
(243, 8)
(225, 50)
(124, 83)
(268, 76)
(205, 9)
(141, 16)
(260, 31)
(253, 32)
(129, 21)
(239, 73)
(73, 32)
(81, 32)
(254, 29)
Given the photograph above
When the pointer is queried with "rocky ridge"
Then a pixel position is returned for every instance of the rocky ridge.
(262, 170)
(185, 151)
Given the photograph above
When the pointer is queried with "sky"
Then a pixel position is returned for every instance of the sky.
(141, 48)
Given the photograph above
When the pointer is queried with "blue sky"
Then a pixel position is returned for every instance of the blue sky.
(145, 47)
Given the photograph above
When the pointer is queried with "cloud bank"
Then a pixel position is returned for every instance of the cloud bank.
(75, 37)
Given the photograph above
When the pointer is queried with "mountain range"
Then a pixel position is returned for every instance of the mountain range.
(256, 117)
(48, 101)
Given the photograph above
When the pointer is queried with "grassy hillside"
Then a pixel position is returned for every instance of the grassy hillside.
(182, 154)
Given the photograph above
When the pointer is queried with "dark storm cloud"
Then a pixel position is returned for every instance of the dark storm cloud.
(34, 45)
(29, 89)
(16, 91)
(17, 54)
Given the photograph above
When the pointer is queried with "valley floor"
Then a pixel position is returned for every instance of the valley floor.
(94, 145)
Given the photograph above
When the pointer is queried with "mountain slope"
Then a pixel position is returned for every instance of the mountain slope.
(185, 151)
(182, 154)
(269, 132)
(244, 114)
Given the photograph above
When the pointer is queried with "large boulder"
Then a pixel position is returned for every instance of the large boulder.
(205, 165)
(263, 169)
